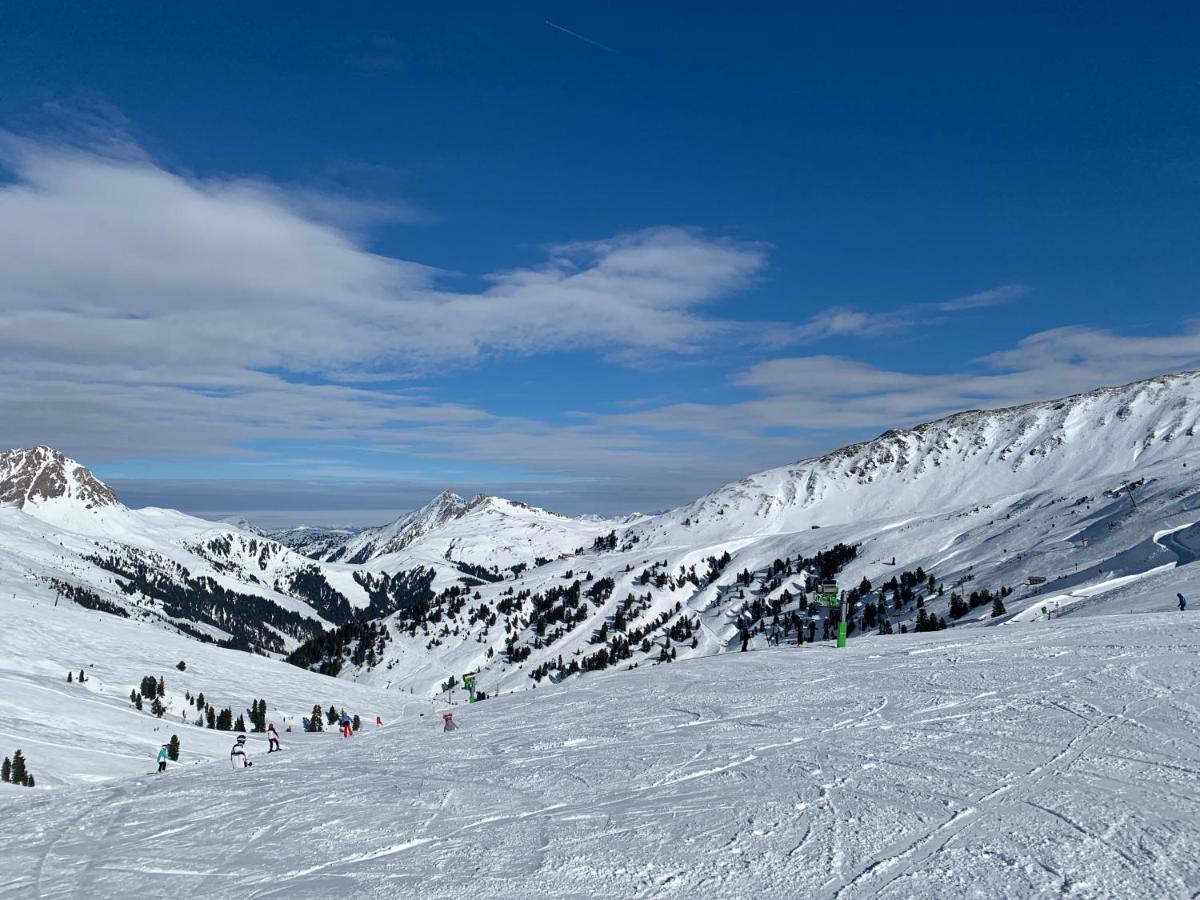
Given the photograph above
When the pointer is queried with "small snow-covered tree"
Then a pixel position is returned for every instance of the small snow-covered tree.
(314, 721)
(998, 608)
(70, 677)
(240, 724)
(173, 748)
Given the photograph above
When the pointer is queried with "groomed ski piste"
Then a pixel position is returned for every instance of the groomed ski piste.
(1037, 758)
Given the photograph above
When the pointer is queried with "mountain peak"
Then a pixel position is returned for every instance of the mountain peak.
(37, 474)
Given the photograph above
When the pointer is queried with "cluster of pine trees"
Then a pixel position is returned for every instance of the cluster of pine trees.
(14, 771)
(151, 690)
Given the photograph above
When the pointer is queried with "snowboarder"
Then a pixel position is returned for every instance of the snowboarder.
(449, 723)
(272, 738)
(163, 755)
(1182, 602)
(347, 725)
(237, 755)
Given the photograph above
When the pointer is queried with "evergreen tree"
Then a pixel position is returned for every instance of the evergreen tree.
(314, 721)
(181, 666)
(157, 707)
(70, 677)
(998, 608)
(200, 704)
(332, 716)
(81, 676)
(28, 781)
(6, 770)
(133, 697)
(225, 719)
(240, 724)
(210, 717)
(137, 701)
(17, 774)
(356, 722)
(173, 748)
(162, 690)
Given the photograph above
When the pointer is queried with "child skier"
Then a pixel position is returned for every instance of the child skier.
(347, 725)
(448, 719)
(237, 755)
(272, 738)
(163, 755)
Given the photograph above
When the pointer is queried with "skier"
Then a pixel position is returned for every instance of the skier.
(237, 755)
(378, 722)
(745, 637)
(272, 738)
(347, 725)
(163, 755)
(1182, 602)
(450, 725)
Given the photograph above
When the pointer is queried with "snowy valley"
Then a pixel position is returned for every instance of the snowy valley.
(1008, 717)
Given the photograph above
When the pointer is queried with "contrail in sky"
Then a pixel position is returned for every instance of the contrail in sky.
(586, 40)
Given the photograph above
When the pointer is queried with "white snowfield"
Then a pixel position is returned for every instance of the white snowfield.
(1055, 758)
(74, 733)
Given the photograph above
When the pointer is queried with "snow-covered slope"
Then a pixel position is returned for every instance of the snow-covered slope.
(81, 732)
(1052, 759)
(1069, 493)
(64, 534)
(964, 459)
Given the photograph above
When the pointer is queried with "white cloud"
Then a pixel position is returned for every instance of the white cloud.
(144, 311)
(813, 394)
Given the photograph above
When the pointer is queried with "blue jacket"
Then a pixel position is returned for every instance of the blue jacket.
(163, 755)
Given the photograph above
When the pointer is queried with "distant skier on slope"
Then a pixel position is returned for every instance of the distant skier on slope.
(272, 738)
(163, 755)
(237, 755)
(347, 725)
(1182, 602)
(449, 723)
(378, 721)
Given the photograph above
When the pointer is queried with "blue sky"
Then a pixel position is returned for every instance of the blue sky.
(268, 260)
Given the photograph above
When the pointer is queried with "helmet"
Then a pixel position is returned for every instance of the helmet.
(241, 739)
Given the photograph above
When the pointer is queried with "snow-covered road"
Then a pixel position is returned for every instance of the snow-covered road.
(1047, 759)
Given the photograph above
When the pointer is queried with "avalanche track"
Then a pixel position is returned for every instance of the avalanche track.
(1053, 758)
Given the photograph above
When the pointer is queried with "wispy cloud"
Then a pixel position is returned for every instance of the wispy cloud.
(846, 321)
(810, 395)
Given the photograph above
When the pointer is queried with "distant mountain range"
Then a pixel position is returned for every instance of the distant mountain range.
(1075, 491)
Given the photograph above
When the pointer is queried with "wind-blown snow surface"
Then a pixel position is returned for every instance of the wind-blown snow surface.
(1054, 758)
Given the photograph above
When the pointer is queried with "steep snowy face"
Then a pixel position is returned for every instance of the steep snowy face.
(375, 542)
(39, 474)
(964, 459)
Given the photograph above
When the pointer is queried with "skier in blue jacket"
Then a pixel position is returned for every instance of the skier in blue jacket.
(163, 755)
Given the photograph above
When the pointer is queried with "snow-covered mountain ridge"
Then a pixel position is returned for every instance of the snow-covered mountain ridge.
(1075, 491)
(967, 458)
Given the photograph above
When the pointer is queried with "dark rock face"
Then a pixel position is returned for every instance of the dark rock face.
(42, 473)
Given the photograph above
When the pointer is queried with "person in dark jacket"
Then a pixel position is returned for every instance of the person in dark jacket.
(1182, 602)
